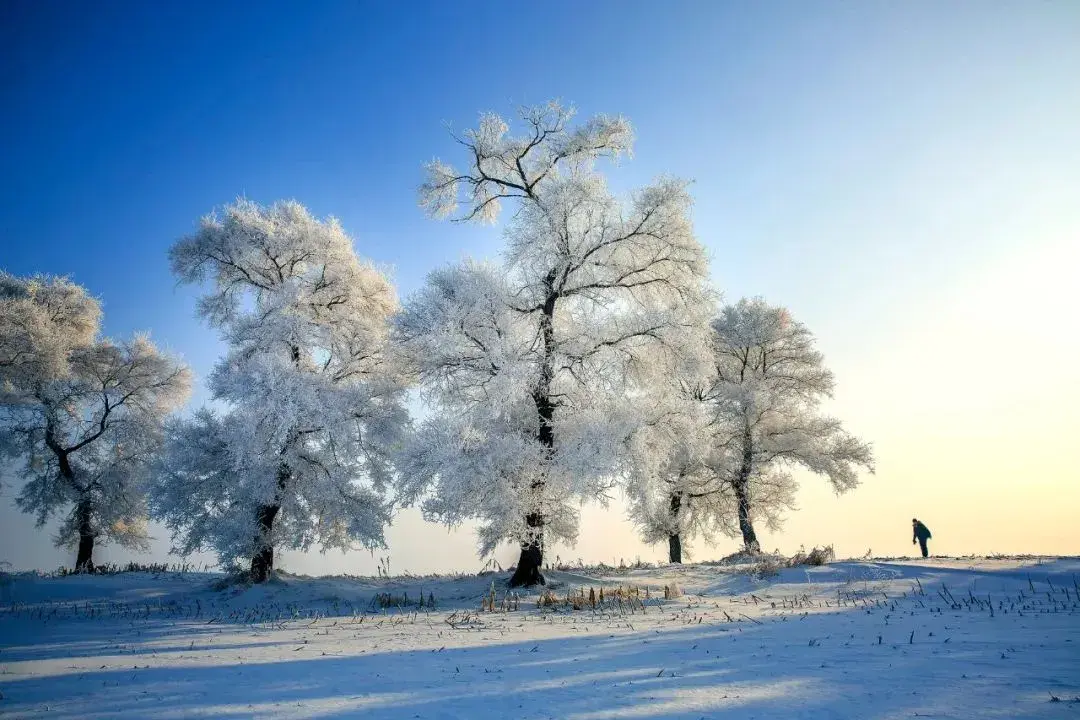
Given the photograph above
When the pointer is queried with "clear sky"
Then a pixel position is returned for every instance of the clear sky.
(904, 176)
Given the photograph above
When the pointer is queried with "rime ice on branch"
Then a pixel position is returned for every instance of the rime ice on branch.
(672, 484)
(82, 413)
(301, 454)
(763, 395)
(770, 384)
(530, 365)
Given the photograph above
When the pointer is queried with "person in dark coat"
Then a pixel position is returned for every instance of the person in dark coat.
(921, 534)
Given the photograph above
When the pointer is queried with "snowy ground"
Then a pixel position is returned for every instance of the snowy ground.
(871, 639)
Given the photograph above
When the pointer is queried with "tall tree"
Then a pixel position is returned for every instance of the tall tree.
(82, 413)
(312, 397)
(769, 384)
(527, 364)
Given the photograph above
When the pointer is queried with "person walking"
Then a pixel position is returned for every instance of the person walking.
(920, 534)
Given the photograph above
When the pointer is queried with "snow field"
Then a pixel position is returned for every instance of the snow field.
(899, 639)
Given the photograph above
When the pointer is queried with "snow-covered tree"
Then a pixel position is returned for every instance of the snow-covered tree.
(770, 381)
(720, 436)
(527, 364)
(312, 398)
(673, 488)
(83, 414)
(42, 320)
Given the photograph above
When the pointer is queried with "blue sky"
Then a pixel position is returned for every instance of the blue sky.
(858, 162)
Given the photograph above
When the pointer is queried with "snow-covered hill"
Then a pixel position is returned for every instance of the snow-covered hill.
(944, 638)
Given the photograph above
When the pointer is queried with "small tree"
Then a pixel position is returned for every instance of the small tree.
(769, 383)
(527, 364)
(83, 414)
(312, 398)
(673, 488)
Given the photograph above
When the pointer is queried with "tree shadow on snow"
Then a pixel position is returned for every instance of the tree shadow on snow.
(844, 663)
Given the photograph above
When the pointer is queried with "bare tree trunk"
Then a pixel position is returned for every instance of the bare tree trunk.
(84, 510)
(674, 539)
(532, 555)
(532, 549)
(674, 548)
(262, 562)
(84, 561)
(742, 494)
(750, 541)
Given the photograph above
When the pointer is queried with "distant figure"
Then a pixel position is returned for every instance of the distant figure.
(921, 535)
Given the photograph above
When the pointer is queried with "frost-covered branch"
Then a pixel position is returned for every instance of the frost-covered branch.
(503, 166)
(313, 388)
(770, 380)
(527, 364)
(84, 415)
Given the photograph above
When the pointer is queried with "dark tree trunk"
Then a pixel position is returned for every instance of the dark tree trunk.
(742, 493)
(529, 563)
(84, 511)
(262, 562)
(528, 572)
(84, 561)
(674, 544)
(532, 549)
(750, 541)
(675, 540)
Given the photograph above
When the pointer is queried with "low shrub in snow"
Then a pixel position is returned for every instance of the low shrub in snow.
(116, 569)
(387, 600)
(769, 565)
(490, 601)
(602, 567)
(817, 557)
(618, 598)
